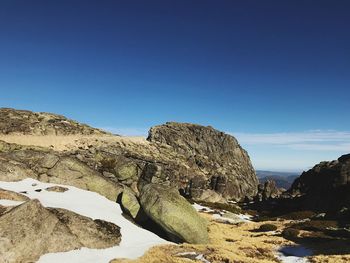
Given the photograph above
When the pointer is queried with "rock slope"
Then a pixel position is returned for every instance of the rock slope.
(40, 123)
(201, 162)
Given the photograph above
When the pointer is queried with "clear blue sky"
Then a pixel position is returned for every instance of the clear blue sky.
(274, 73)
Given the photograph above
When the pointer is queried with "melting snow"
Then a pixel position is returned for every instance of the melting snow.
(135, 240)
(294, 254)
(221, 214)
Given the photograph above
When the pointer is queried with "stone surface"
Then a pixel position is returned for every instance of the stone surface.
(40, 123)
(131, 205)
(58, 189)
(31, 230)
(194, 159)
(326, 186)
(174, 214)
(226, 165)
(10, 195)
(52, 167)
(268, 190)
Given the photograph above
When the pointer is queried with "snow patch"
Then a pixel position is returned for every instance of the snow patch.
(135, 240)
(193, 255)
(294, 254)
(5, 202)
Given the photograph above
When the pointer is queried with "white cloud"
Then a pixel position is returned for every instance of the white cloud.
(308, 140)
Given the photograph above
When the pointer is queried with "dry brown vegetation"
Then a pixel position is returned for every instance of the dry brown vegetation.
(68, 142)
(242, 243)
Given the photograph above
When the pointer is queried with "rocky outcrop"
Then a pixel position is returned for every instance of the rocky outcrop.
(191, 158)
(268, 190)
(17, 163)
(225, 165)
(174, 214)
(326, 186)
(31, 230)
(40, 123)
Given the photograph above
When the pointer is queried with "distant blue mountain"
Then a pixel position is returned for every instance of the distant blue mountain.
(282, 179)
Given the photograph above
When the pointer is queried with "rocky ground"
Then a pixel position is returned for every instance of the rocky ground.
(146, 178)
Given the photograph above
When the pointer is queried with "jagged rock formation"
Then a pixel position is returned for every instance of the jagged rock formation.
(267, 190)
(225, 165)
(326, 186)
(32, 123)
(31, 230)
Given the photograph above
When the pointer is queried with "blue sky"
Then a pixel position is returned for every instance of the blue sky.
(276, 74)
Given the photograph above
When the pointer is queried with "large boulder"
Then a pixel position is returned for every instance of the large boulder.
(174, 214)
(31, 230)
(225, 165)
(326, 186)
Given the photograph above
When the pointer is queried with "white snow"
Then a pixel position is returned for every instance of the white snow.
(294, 254)
(135, 240)
(222, 218)
(221, 214)
(201, 208)
(10, 202)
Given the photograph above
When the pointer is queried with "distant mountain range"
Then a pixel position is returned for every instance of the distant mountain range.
(282, 179)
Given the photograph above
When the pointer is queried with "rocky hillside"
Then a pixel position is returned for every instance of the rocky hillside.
(203, 163)
(326, 186)
(40, 123)
(199, 162)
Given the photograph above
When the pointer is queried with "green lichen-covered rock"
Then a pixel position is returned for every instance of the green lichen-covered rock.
(173, 213)
(73, 172)
(131, 205)
(126, 171)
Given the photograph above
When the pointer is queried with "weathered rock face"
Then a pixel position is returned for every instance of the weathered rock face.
(268, 190)
(174, 214)
(326, 186)
(18, 163)
(32, 123)
(131, 205)
(31, 230)
(226, 166)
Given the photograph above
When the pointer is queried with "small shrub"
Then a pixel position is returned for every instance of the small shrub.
(267, 228)
(290, 233)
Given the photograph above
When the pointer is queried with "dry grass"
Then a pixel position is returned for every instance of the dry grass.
(62, 143)
(228, 244)
(232, 244)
